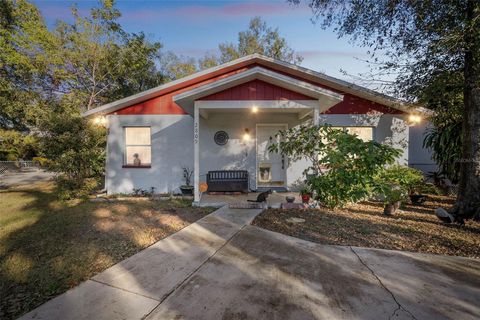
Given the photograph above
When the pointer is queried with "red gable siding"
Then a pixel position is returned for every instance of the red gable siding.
(257, 90)
(253, 90)
(355, 105)
(163, 103)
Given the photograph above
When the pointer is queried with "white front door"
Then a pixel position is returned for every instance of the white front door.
(271, 166)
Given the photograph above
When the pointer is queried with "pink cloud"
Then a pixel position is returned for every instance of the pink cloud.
(248, 9)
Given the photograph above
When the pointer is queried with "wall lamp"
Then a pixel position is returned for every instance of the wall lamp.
(414, 119)
(246, 135)
(100, 120)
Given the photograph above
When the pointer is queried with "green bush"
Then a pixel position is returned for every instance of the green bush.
(68, 189)
(16, 145)
(43, 162)
(76, 149)
(396, 182)
(342, 165)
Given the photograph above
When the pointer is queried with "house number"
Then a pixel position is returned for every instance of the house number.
(195, 133)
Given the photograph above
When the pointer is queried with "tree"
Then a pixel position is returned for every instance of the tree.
(103, 62)
(47, 78)
(28, 63)
(421, 40)
(15, 145)
(176, 67)
(259, 38)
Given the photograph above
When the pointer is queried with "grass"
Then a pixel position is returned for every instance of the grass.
(48, 246)
(414, 228)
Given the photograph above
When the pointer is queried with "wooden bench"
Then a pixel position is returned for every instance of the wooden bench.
(227, 181)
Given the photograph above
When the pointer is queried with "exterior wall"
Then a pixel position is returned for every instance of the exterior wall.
(236, 154)
(387, 128)
(172, 148)
(419, 157)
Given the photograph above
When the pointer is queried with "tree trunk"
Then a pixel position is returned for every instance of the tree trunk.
(468, 198)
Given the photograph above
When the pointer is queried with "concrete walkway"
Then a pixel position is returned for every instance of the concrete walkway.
(222, 268)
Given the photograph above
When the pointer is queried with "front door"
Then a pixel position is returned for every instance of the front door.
(271, 166)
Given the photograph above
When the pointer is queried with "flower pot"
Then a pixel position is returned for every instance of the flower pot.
(290, 199)
(391, 208)
(187, 190)
(305, 198)
(418, 198)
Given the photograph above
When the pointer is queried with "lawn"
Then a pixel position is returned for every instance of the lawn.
(48, 246)
(415, 228)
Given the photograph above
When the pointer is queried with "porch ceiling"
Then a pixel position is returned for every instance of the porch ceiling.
(301, 112)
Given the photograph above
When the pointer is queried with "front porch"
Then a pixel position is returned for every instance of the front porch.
(237, 118)
(274, 200)
(247, 134)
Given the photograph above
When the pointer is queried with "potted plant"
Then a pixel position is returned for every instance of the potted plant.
(187, 188)
(392, 199)
(395, 184)
(306, 194)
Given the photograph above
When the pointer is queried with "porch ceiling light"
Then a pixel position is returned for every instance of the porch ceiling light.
(254, 109)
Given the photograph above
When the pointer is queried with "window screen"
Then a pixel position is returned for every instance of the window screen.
(138, 150)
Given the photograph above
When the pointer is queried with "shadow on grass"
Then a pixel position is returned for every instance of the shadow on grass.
(65, 243)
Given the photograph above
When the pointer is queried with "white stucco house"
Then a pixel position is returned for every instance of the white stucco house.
(224, 118)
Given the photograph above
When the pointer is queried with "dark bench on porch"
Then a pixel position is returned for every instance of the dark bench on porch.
(227, 181)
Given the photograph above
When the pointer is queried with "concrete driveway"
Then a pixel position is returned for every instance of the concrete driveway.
(222, 268)
(24, 176)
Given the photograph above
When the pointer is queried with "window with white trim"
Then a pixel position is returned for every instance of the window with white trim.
(364, 133)
(138, 149)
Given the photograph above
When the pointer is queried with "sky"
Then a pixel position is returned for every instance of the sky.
(194, 27)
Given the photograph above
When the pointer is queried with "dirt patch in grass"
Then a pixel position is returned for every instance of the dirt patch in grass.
(48, 246)
(413, 228)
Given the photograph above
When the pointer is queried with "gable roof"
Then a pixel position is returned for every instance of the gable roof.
(257, 59)
(187, 98)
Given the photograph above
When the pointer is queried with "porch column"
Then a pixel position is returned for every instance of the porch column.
(196, 164)
(316, 114)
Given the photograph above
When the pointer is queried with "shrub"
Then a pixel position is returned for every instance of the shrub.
(16, 145)
(342, 165)
(43, 162)
(76, 150)
(70, 189)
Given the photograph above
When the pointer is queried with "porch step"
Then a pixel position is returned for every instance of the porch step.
(276, 189)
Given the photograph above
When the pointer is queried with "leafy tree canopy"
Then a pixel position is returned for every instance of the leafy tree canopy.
(430, 45)
(258, 38)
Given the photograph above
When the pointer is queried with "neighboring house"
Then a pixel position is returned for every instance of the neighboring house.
(224, 118)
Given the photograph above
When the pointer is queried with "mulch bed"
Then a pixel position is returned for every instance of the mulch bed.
(413, 228)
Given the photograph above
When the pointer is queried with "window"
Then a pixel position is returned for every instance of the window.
(364, 133)
(138, 150)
